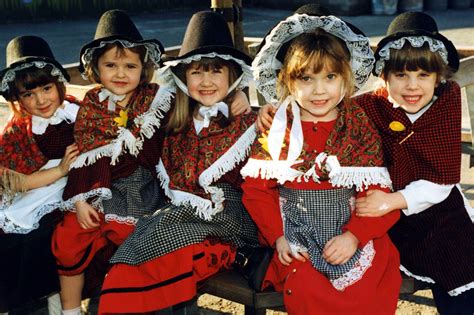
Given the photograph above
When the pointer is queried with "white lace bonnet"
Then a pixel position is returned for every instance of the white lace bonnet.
(266, 64)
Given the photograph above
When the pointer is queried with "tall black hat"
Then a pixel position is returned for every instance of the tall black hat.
(207, 36)
(29, 51)
(306, 19)
(116, 26)
(207, 32)
(417, 28)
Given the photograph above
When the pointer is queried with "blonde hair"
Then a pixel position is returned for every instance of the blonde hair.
(31, 78)
(92, 68)
(410, 58)
(315, 51)
(184, 104)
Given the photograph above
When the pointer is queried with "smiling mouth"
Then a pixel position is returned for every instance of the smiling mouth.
(412, 99)
(319, 102)
(207, 92)
(120, 83)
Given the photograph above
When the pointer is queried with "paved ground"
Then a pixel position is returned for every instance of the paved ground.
(67, 37)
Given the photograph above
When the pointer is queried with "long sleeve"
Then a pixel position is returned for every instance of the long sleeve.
(422, 194)
(261, 198)
(366, 229)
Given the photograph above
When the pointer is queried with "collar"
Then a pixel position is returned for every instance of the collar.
(113, 98)
(67, 114)
(207, 112)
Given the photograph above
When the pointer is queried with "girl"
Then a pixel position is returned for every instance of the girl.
(35, 138)
(435, 233)
(302, 178)
(195, 234)
(112, 182)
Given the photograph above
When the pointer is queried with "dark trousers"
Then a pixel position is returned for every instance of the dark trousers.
(462, 304)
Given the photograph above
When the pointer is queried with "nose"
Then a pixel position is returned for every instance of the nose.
(40, 98)
(120, 72)
(206, 79)
(412, 82)
(318, 88)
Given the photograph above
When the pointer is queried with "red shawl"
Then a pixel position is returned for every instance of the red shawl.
(430, 148)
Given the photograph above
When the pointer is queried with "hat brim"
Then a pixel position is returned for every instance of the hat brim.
(220, 50)
(30, 59)
(453, 57)
(97, 42)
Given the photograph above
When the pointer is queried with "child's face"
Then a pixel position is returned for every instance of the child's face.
(207, 87)
(42, 101)
(120, 74)
(412, 90)
(318, 95)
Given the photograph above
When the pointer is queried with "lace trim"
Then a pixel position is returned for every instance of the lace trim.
(9, 226)
(11, 73)
(360, 267)
(421, 278)
(265, 64)
(100, 193)
(360, 177)
(462, 289)
(165, 74)
(148, 122)
(415, 41)
(120, 219)
(153, 52)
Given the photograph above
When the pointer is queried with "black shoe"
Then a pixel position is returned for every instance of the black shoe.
(253, 263)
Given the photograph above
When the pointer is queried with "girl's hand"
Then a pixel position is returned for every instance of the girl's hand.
(339, 249)
(378, 203)
(70, 155)
(284, 252)
(265, 117)
(240, 104)
(87, 216)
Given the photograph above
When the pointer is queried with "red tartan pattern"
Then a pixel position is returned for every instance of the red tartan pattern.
(433, 151)
(354, 140)
(186, 155)
(18, 148)
(95, 125)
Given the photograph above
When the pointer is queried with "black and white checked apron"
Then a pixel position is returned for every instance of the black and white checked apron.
(174, 227)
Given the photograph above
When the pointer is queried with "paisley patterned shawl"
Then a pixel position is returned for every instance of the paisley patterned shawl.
(354, 141)
(18, 148)
(430, 148)
(186, 156)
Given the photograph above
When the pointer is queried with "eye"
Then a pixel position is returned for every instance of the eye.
(194, 72)
(332, 76)
(400, 74)
(48, 87)
(217, 70)
(305, 78)
(109, 65)
(425, 74)
(132, 66)
(25, 94)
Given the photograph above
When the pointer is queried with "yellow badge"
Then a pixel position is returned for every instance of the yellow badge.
(264, 142)
(122, 119)
(396, 126)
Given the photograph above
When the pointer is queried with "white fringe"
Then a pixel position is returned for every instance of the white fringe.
(269, 169)
(149, 122)
(100, 193)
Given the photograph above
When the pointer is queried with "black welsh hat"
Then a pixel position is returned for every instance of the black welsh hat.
(207, 32)
(207, 36)
(420, 28)
(29, 51)
(306, 19)
(116, 26)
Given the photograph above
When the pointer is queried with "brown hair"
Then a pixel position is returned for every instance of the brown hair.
(317, 50)
(92, 69)
(31, 78)
(411, 58)
(185, 105)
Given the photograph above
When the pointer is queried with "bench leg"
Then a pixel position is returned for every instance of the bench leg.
(249, 310)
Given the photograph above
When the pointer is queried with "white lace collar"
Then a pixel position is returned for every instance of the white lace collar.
(68, 114)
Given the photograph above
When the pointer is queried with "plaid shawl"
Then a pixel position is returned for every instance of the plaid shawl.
(96, 126)
(354, 140)
(186, 155)
(430, 148)
(18, 148)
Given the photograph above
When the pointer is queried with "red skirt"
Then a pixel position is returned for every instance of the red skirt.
(75, 247)
(307, 291)
(163, 281)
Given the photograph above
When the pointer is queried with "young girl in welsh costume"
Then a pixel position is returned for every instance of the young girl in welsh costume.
(419, 117)
(37, 147)
(302, 179)
(113, 181)
(195, 234)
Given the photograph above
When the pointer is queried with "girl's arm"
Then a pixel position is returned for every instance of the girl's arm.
(414, 198)
(240, 104)
(19, 182)
(265, 117)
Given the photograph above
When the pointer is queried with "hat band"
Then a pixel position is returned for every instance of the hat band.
(10, 74)
(153, 51)
(436, 46)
